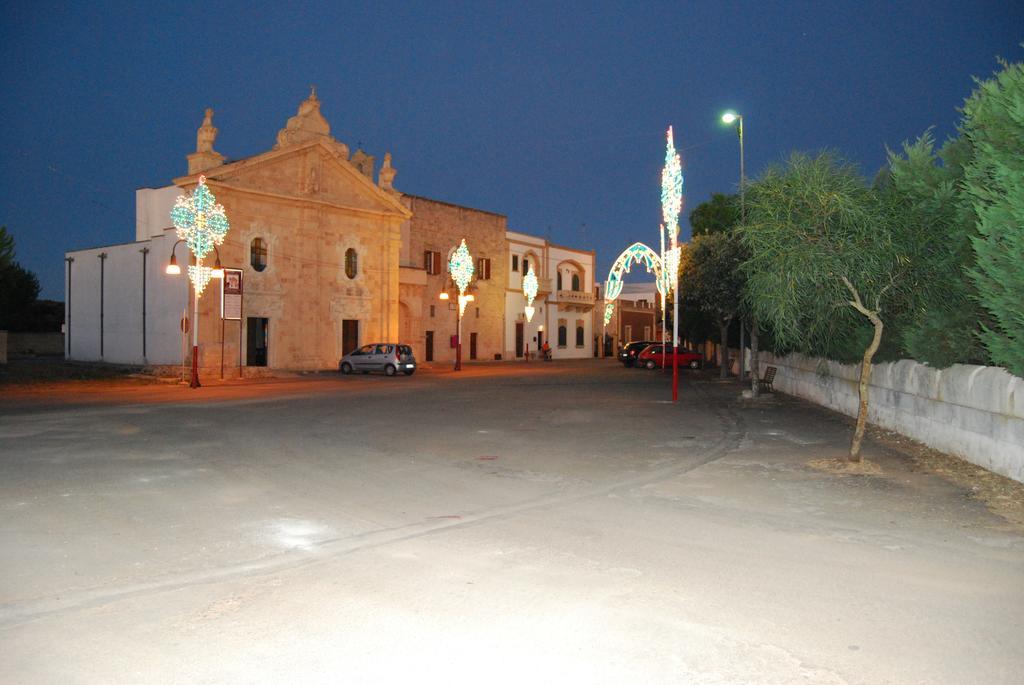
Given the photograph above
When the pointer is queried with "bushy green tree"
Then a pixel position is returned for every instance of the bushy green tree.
(924, 188)
(994, 189)
(720, 214)
(827, 255)
(711, 280)
(19, 287)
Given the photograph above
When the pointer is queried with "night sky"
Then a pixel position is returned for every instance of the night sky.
(552, 116)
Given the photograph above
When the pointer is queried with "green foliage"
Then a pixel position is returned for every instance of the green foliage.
(811, 223)
(994, 191)
(6, 248)
(720, 214)
(711, 279)
(19, 287)
(923, 190)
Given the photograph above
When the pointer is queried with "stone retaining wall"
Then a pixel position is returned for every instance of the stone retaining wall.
(974, 412)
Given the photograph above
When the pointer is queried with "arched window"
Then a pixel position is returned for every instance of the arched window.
(351, 263)
(576, 282)
(559, 280)
(579, 334)
(562, 335)
(258, 254)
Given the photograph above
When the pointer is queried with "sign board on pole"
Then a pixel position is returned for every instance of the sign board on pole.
(231, 295)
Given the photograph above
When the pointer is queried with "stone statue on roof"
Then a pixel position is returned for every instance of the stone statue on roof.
(308, 124)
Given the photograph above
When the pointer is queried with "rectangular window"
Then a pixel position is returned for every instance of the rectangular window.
(526, 265)
(483, 268)
(515, 262)
(478, 312)
(579, 332)
(431, 311)
(432, 262)
(563, 333)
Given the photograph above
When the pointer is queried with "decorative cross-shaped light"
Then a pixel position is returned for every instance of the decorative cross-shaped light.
(530, 291)
(460, 266)
(671, 205)
(202, 224)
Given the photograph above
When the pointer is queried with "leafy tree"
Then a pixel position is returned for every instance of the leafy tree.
(994, 188)
(923, 187)
(825, 256)
(712, 282)
(19, 287)
(720, 214)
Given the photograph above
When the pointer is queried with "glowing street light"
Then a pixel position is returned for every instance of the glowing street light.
(729, 118)
(201, 224)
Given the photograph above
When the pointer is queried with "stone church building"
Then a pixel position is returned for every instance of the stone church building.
(330, 258)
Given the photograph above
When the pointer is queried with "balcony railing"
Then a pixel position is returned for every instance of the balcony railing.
(575, 298)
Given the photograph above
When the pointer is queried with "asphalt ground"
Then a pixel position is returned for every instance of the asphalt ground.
(544, 522)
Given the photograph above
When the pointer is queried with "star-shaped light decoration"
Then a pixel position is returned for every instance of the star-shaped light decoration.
(671, 205)
(202, 224)
(530, 291)
(460, 266)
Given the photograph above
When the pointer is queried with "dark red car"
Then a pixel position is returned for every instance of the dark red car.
(651, 357)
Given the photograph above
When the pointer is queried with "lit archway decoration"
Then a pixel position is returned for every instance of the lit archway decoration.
(637, 253)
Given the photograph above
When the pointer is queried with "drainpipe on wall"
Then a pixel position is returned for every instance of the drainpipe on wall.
(103, 261)
(145, 252)
(67, 307)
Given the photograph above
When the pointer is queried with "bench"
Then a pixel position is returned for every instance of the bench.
(766, 382)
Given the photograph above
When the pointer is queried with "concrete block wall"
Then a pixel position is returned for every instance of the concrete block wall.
(974, 412)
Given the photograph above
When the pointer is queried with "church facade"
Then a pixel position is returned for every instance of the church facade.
(329, 258)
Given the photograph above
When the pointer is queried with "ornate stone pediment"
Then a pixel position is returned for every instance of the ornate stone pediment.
(316, 170)
(308, 124)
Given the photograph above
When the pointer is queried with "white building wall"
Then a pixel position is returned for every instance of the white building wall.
(549, 260)
(153, 210)
(121, 325)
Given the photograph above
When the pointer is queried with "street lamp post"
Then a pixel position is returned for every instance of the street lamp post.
(201, 224)
(729, 118)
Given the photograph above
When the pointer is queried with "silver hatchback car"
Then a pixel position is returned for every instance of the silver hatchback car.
(387, 357)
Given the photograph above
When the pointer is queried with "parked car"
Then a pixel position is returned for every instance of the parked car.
(650, 357)
(629, 351)
(387, 357)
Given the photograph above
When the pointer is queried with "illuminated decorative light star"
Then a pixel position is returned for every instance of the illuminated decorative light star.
(461, 267)
(530, 291)
(202, 224)
(671, 188)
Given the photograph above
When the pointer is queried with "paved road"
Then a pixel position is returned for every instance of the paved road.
(541, 523)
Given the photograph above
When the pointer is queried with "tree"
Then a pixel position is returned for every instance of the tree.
(19, 287)
(994, 189)
(712, 281)
(923, 187)
(720, 214)
(826, 256)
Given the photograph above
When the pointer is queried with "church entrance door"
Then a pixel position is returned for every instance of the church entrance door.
(349, 335)
(257, 339)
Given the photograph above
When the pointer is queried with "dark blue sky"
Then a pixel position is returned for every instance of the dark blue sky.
(553, 116)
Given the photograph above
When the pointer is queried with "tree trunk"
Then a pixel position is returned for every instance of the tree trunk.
(865, 386)
(755, 372)
(724, 329)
